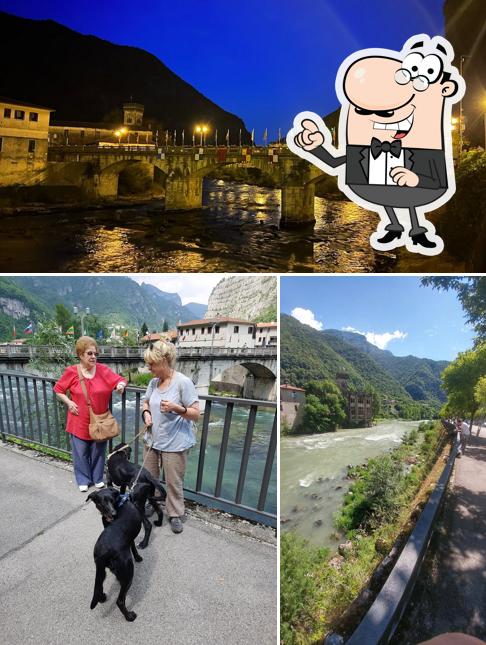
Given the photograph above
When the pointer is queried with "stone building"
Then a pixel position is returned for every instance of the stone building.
(23, 140)
(229, 333)
(292, 400)
(133, 132)
(266, 334)
(359, 405)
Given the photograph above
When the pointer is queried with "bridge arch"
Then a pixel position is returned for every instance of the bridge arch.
(248, 379)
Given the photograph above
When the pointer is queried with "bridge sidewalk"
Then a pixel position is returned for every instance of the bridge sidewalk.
(207, 585)
(451, 593)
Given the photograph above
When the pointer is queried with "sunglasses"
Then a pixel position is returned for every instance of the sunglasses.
(90, 353)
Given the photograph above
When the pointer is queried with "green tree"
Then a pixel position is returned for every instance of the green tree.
(64, 317)
(472, 296)
(460, 379)
(480, 394)
(165, 326)
(54, 350)
(325, 407)
(144, 330)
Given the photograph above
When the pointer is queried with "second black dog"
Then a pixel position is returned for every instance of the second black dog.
(116, 544)
(123, 473)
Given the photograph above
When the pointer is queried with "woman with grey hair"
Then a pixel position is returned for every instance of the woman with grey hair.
(170, 407)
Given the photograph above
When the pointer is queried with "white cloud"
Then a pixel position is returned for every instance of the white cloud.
(379, 340)
(191, 287)
(306, 317)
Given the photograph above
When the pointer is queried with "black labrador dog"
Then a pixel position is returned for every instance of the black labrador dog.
(116, 544)
(123, 473)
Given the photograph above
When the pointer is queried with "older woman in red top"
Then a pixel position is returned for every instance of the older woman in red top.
(88, 455)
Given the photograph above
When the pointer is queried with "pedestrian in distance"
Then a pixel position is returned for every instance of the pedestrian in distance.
(100, 381)
(464, 434)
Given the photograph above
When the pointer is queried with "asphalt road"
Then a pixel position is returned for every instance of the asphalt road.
(450, 595)
(207, 585)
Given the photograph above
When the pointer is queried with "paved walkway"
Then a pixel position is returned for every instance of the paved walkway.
(451, 592)
(206, 586)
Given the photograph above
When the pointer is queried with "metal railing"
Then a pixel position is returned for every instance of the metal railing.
(232, 467)
(382, 619)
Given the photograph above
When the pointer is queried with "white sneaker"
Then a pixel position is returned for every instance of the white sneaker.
(100, 485)
(83, 488)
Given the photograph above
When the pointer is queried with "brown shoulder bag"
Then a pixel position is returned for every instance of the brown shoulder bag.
(101, 426)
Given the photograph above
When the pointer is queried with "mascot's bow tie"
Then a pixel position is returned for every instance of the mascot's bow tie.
(377, 147)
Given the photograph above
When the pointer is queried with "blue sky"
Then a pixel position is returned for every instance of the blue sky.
(422, 321)
(264, 60)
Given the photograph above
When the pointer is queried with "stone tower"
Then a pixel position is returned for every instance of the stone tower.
(132, 114)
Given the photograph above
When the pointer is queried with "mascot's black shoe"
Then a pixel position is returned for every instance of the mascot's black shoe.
(390, 236)
(421, 239)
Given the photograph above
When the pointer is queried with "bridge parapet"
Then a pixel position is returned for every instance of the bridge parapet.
(22, 352)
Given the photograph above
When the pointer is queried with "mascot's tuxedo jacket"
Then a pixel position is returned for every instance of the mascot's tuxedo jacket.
(429, 165)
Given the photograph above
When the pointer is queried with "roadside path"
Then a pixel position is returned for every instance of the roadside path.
(451, 592)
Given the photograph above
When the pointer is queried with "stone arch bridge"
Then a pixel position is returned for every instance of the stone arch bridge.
(247, 372)
(181, 171)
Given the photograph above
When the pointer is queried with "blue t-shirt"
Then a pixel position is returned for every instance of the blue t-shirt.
(170, 431)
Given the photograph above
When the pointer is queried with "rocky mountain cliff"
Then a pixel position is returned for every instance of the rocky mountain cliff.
(249, 297)
(85, 78)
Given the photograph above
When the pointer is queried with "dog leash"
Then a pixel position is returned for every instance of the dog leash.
(143, 462)
(143, 430)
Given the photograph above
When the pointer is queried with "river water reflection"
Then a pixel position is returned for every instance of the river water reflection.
(236, 231)
(313, 470)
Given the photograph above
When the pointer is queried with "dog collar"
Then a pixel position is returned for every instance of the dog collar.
(121, 500)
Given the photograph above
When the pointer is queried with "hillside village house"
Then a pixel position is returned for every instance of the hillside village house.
(292, 400)
(77, 133)
(359, 405)
(266, 334)
(24, 129)
(166, 336)
(229, 333)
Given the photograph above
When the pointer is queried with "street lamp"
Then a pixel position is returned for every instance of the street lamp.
(82, 316)
(461, 115)
(201, 130)
(119, 133)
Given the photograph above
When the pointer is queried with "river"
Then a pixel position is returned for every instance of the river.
(313, 474)
(237, 230)
(258, 452)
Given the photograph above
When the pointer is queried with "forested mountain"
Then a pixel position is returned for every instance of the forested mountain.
(115, 299)
(419, 376)
(307, 354)
(85, 78)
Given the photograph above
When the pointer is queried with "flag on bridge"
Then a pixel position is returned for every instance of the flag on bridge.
(265, 137)
(227, 137)
(99, 334)
(70, 331)
(253, 137)
(14, 332)
(29, 329)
